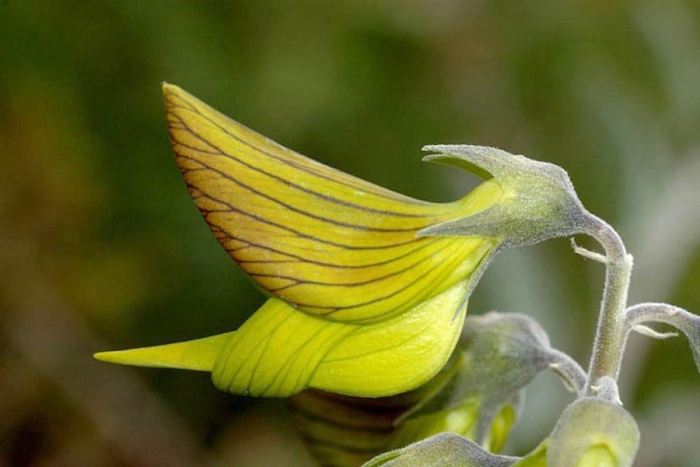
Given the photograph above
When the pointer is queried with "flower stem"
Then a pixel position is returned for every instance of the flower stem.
(612, 328)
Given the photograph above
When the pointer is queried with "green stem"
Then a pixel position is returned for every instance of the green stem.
(611, 332)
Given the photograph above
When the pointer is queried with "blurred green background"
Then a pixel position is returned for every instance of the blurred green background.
(101, 247)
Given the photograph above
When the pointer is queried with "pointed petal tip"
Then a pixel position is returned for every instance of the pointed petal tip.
(167, 87)
(170, 91)
(175, 94)
(151, 357)
(105, 356)
(131, 357)
(198, 354)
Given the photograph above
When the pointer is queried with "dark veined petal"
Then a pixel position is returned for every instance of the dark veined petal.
(361, 305)
(326, 242)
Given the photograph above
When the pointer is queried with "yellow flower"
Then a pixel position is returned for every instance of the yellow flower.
(360, 304)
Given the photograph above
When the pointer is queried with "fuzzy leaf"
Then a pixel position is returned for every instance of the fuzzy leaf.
(446, 449)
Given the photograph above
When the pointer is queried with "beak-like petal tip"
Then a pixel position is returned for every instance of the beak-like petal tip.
(198, 354)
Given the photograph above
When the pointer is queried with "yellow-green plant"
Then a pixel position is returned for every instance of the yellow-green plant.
(368, 293)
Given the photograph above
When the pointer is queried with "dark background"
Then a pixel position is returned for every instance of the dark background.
(101, 247)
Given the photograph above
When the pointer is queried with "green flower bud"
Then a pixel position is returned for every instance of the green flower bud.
(593, 432)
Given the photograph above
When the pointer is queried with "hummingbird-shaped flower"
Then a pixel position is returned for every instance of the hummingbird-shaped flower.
(368, 288)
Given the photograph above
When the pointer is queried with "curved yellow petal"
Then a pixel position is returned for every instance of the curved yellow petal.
(399, 354)
(328, 243)
(281, 351)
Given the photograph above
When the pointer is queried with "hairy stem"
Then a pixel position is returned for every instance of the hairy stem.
(611, 332)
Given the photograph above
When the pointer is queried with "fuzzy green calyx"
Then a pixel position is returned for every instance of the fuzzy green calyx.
(539, 200)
